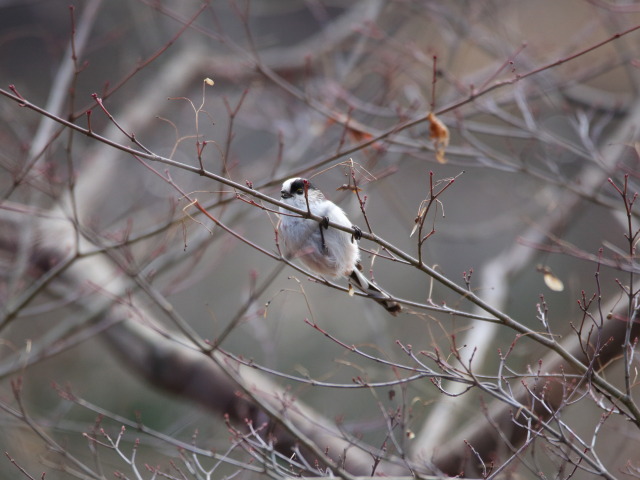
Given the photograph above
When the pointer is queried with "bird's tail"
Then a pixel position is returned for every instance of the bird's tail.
(375, 292)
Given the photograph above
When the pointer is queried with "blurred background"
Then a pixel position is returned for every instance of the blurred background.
(320, 89)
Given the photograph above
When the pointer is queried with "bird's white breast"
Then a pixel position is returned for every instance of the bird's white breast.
(303, 240)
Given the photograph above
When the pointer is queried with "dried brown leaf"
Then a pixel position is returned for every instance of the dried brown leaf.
(439, 133)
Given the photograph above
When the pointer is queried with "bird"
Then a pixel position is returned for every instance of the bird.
(326, 251)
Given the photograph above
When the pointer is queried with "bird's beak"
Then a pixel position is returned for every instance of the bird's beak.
(284, 194)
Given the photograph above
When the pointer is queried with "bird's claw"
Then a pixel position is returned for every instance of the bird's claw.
(324, 224)
(357, 233)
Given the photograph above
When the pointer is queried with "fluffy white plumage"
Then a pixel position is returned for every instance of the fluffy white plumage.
(327, 251)
(304, 238)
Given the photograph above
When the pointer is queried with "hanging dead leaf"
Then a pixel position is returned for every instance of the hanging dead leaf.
(553, 282)
(439, 133)
(550, 280)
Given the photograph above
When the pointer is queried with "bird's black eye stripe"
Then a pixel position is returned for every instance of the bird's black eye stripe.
(297, 186)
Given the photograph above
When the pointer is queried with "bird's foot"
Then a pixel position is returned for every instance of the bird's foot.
(357, 233)
(323, 226)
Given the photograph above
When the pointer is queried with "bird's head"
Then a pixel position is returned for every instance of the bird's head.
(295, 191)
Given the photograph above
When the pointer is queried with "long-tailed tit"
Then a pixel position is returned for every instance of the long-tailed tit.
(325, 250)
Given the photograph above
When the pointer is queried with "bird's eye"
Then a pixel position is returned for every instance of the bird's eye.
(300, 191)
